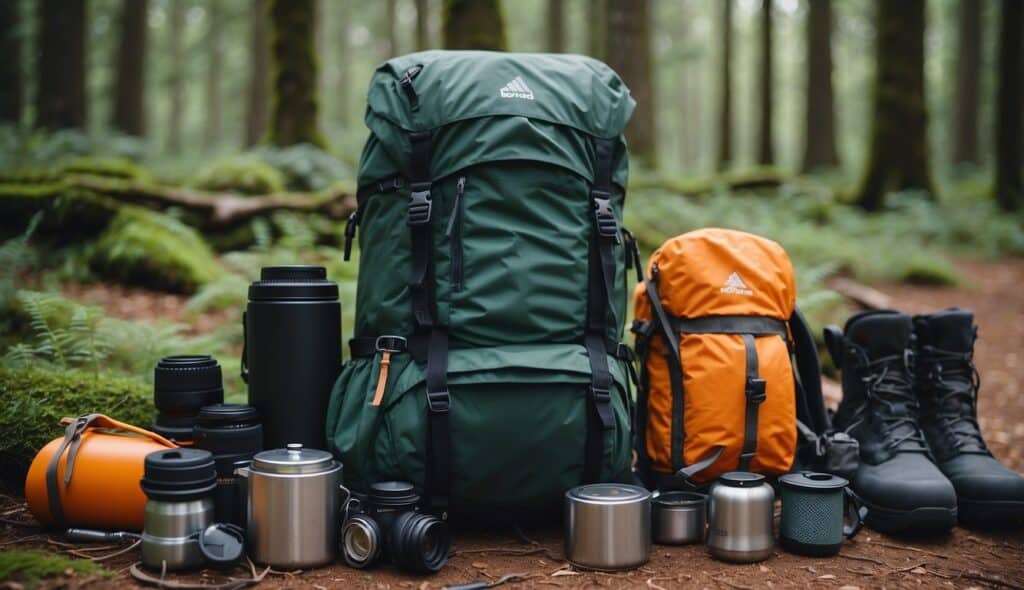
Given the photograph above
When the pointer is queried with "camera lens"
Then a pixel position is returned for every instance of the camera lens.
(360, 541)
(181, 386)
(419, 543)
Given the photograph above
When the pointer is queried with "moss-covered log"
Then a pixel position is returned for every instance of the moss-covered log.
(36, 400)
(474, 24)
(295, 106)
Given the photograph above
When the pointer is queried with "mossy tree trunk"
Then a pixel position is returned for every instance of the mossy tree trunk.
(629, 53)
(60, 77)
(130, 87)
(965, 98)
(725, 92)
(214, 74)
(176, 114)
(11, 91)
(898, 150)
(259, 55)
(474, 24)
(597, 27)
(766, 139)
(819, 122)
(391, 26)
(1009, 189)
(294, 108)
(556, 26)
(341, 87)
(422, 25)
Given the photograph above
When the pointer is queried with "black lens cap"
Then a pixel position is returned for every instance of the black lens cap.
(222, 544)
(393, 494)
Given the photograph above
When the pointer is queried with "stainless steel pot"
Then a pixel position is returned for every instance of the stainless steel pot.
(608, 526)
(679, 517)
(740, 518)
(295, 507)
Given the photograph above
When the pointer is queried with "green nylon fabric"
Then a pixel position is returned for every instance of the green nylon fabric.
(518, 375)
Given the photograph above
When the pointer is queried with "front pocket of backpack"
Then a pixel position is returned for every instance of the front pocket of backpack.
(518, 426)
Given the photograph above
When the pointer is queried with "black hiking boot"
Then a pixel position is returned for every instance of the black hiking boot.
(903, 489)
(947, 387)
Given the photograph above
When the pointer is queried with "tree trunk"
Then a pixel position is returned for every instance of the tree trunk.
(820, 126)
(11, 92)
(766, 150)
(342, 92)
(1009, 188)
(597, 27)
(391, 24)
(965, 99)
(60, 89)
(294, 108)
(629, 53)
(176, 114)
(725, 95)
(214, 75)
(556, 26)
(129, 93)
(898, 151)
(422, 25)
(474, 24)
(256, 98)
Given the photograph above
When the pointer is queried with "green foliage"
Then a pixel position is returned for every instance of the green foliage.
(112, 167)
(16, 256)
(305, 166)
(70, 341)
(31, 566)
(23, 148)
(243, 173)
(147, 248)
(36, 399)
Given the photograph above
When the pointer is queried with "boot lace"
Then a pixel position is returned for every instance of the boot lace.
(890, 396)
(955, 382)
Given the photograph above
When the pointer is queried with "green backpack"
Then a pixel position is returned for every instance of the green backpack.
(487, 366)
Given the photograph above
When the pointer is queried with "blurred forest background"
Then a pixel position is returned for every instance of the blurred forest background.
(154, 154)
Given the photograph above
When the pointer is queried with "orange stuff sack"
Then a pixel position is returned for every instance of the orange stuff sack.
(90, 477)
(717, 385)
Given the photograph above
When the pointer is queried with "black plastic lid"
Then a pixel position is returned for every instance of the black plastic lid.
(222, 544)
(813, 481)
(741, 479)
(390, 494)
(188, 373)
(227, 416)
(297, 283)
(179, 475)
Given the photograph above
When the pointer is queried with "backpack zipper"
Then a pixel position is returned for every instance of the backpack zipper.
(454, 233)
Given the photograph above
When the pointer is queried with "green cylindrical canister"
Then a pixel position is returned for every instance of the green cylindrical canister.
(813, 507)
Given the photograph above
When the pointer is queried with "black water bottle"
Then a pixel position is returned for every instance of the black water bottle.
(292, 352)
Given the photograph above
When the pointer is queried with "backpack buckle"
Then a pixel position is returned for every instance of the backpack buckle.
(756, 390)
(439, 402)
(420, 205)
(607, 226)
(393, 344)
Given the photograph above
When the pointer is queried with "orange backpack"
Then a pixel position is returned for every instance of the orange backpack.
(716, 330)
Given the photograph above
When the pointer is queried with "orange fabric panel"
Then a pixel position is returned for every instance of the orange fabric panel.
(697, 277)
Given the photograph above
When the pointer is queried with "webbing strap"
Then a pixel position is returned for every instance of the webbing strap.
(438, 483)
(754, 390)
(731, 324)
(600, 288)
(675, 368)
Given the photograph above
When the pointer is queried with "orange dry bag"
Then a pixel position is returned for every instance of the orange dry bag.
(715, 340)
(90, 477)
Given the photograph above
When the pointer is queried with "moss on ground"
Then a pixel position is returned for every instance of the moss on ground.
(109, 167)
(35, 400)
(30, 566)
(244, 174)
(147, 248)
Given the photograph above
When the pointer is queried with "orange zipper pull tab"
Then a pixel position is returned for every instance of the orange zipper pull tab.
(382, 378)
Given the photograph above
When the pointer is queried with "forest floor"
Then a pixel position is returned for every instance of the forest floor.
(962, 559)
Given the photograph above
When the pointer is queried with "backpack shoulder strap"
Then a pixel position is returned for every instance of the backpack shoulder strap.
(807, 374)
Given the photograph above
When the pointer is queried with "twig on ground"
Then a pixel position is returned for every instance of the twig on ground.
(863, 558)
(509, 551)
(909, 548)
(116, 553)
(994, 580)
(860, 571)
(735, 585)
(908, 568)
(20, 540)
(22, 523)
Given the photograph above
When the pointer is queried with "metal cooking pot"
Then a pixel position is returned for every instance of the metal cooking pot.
(295, 507)
(679, 517)
(608, 526)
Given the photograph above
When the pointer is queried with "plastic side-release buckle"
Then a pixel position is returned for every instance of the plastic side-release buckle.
(420, 204)
(439, 402)
(756, 390)
(607, 226)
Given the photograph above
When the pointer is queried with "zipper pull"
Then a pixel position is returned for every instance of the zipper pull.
(382, 378)
(460, 188)
(350, 232)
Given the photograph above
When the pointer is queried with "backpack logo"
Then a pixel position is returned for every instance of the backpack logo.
(734, 285)
(516, 88)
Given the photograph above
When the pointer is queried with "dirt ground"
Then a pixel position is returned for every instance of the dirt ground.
(962, 559)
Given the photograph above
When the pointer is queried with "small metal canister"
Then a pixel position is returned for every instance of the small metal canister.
(295, 503)
(740, 518)
(679, 517)
(608, 526)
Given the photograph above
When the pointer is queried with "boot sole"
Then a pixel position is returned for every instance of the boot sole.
(991, 513)
(926, 519)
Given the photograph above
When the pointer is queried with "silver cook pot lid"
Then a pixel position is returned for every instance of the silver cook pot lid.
(294, 459)
(608, 493)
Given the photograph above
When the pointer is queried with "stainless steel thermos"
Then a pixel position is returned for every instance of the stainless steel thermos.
(295, 505)
(813, 510)
(608, 526)
(179, 486)
(292, 353)
(740, 518)
(679, 517)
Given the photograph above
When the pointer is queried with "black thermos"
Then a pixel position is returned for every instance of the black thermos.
(292, 352)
